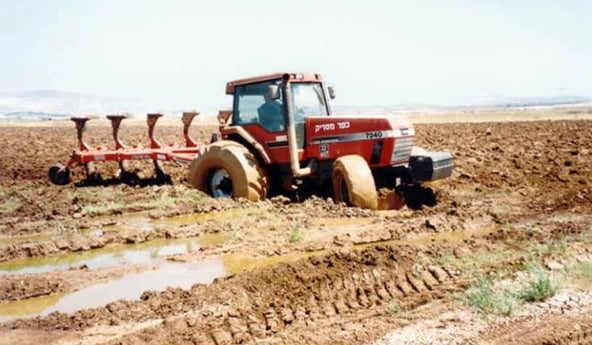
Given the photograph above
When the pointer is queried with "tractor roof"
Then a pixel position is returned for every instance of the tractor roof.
(301, 77)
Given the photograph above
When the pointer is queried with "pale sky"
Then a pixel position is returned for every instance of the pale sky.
(181, 53)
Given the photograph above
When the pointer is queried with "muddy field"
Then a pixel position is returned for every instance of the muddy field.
(505, 257)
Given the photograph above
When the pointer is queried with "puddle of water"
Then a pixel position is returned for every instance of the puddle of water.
(149, 252)
(129, 287)
(28, 306)
(144, 253)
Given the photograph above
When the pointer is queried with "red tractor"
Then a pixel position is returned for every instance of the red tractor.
(282, 135)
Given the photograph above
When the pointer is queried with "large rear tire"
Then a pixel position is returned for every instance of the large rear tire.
(228, 169)
(353, 182)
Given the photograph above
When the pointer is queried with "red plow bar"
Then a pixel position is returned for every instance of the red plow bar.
(86, 155)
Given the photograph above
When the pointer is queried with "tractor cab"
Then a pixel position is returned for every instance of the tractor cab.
(266, 107)
(264, 102)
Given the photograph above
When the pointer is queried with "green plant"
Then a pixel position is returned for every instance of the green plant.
(485, 300)
(10, 204)
(294, 235)
(539, 288)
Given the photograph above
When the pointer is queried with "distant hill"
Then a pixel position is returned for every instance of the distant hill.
(491, 103)
(53, 104)
(48, 104)
(504, 101)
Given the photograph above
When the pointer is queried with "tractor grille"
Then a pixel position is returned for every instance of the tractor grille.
(402, 150)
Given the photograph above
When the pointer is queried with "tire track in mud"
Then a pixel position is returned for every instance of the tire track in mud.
(268, 301)
(299, 297)
(364, 291)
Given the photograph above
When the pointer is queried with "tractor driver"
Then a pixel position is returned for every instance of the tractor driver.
(271, 114)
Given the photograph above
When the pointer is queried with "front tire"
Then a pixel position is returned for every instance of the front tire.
(228, 169)
(353, 182)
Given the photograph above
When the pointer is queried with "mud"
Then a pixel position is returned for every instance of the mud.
(313, 272)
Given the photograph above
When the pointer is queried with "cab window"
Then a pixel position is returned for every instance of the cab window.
(253, 105)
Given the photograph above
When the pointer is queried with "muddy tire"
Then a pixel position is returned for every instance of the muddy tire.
(353, 182)
(228, 169)
(59, 175)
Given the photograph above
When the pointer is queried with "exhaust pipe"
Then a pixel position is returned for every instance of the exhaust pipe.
(292, 144)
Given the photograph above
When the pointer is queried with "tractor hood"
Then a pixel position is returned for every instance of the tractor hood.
(342, 127)
(381, 140)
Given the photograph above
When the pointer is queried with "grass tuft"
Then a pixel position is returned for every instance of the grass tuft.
(485, 300)
(294, 236)
(539, 288)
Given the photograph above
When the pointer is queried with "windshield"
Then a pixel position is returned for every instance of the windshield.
(253, 104)
(309, 99)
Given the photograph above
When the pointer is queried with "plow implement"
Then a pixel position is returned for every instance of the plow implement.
(87, 156)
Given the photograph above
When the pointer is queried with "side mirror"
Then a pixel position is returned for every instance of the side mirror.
(274, 92)
(331, 92)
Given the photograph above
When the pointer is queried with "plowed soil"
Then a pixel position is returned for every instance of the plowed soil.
(312, 272)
